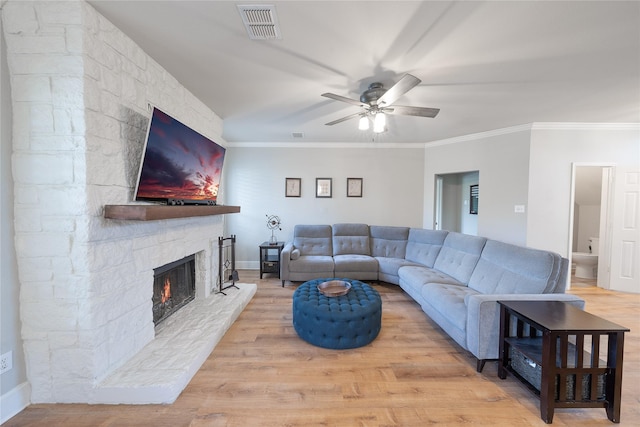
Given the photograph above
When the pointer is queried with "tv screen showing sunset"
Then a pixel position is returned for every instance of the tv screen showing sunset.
(179, 163)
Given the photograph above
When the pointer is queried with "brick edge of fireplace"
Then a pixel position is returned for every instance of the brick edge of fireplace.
(144, 379)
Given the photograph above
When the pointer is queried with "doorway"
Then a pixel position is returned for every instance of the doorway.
(453, 202)
(591, 187)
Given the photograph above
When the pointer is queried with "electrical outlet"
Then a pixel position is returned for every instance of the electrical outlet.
(6, 362)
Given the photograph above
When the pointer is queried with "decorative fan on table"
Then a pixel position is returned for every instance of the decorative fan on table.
(273, 224)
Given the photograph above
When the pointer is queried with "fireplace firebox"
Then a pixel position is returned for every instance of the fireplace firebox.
(174, 286)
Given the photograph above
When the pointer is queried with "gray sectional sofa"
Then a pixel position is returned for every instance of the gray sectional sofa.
(456, 278)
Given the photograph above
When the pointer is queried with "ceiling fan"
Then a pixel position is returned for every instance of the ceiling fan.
(376, 100)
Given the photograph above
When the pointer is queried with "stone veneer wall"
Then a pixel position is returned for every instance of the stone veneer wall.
(81, 91)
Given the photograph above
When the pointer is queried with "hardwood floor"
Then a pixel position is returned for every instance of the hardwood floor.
(413, 374)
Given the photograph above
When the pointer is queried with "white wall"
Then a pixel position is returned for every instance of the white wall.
(502, 161)
(588, 226)
(254, 179)
(13, 383)
(554, 148)
(586, 213)
(451, 202)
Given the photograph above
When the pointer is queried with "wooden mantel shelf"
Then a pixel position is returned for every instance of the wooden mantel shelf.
(155, 212)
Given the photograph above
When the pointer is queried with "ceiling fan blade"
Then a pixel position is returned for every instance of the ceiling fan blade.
(350, 116)
(344, 99)
(404, 85)
(412, 111)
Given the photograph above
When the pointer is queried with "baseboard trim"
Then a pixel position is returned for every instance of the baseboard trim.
(14, 401)
(247, 265)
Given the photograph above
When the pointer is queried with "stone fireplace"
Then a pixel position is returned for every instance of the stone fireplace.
(80, 92)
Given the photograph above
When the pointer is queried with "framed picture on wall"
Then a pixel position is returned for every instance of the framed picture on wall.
(292, 187)
(323, 187)
(354, 187)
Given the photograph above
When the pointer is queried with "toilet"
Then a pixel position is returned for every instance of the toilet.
(587, 263)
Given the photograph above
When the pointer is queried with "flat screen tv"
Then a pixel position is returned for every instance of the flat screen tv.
(179, 165)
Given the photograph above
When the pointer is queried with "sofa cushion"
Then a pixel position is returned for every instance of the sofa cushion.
(351, 239)
(295, 254)
(448, 300)
(445, 305)
(423, 245)
(509, 269)
(313, 240)
(416, 276)
(353, 266)
(312, 264)
(388, 242)
(354, 262)
(459, 255)
(388, 268)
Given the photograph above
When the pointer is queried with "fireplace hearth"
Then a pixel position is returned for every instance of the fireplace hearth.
(174, 286)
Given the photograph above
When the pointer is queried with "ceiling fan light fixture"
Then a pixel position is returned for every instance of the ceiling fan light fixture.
(376, 101)
(363, 124)
(379, 122)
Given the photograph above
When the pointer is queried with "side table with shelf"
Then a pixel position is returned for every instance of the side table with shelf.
(270, 258)
(542, 343)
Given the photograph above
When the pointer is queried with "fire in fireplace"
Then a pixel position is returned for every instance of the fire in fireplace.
(174, 286)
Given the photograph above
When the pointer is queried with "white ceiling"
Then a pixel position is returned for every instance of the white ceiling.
(486, 65)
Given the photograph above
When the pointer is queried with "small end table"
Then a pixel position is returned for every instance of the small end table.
(270, 258)
(552, 336)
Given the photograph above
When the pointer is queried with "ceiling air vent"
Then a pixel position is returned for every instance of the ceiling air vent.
(261, 21)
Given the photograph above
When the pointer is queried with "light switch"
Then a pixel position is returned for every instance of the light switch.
(518, 208)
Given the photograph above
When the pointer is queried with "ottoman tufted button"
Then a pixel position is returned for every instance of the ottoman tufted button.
(323, 321)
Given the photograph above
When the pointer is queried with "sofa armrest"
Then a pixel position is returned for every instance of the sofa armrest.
(285, 257)
(483, 318)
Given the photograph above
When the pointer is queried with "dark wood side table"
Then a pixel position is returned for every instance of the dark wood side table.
(270, 258)
(551, 336)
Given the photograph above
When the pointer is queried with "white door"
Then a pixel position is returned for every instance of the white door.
(625, 239)
(606, 224)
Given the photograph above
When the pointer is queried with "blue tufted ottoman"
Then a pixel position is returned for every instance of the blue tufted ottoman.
(348, 321)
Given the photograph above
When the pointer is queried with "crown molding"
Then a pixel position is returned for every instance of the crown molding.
(480, 135)
(584, 126)
(418, 145)
(533, 127)
(464, 138)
